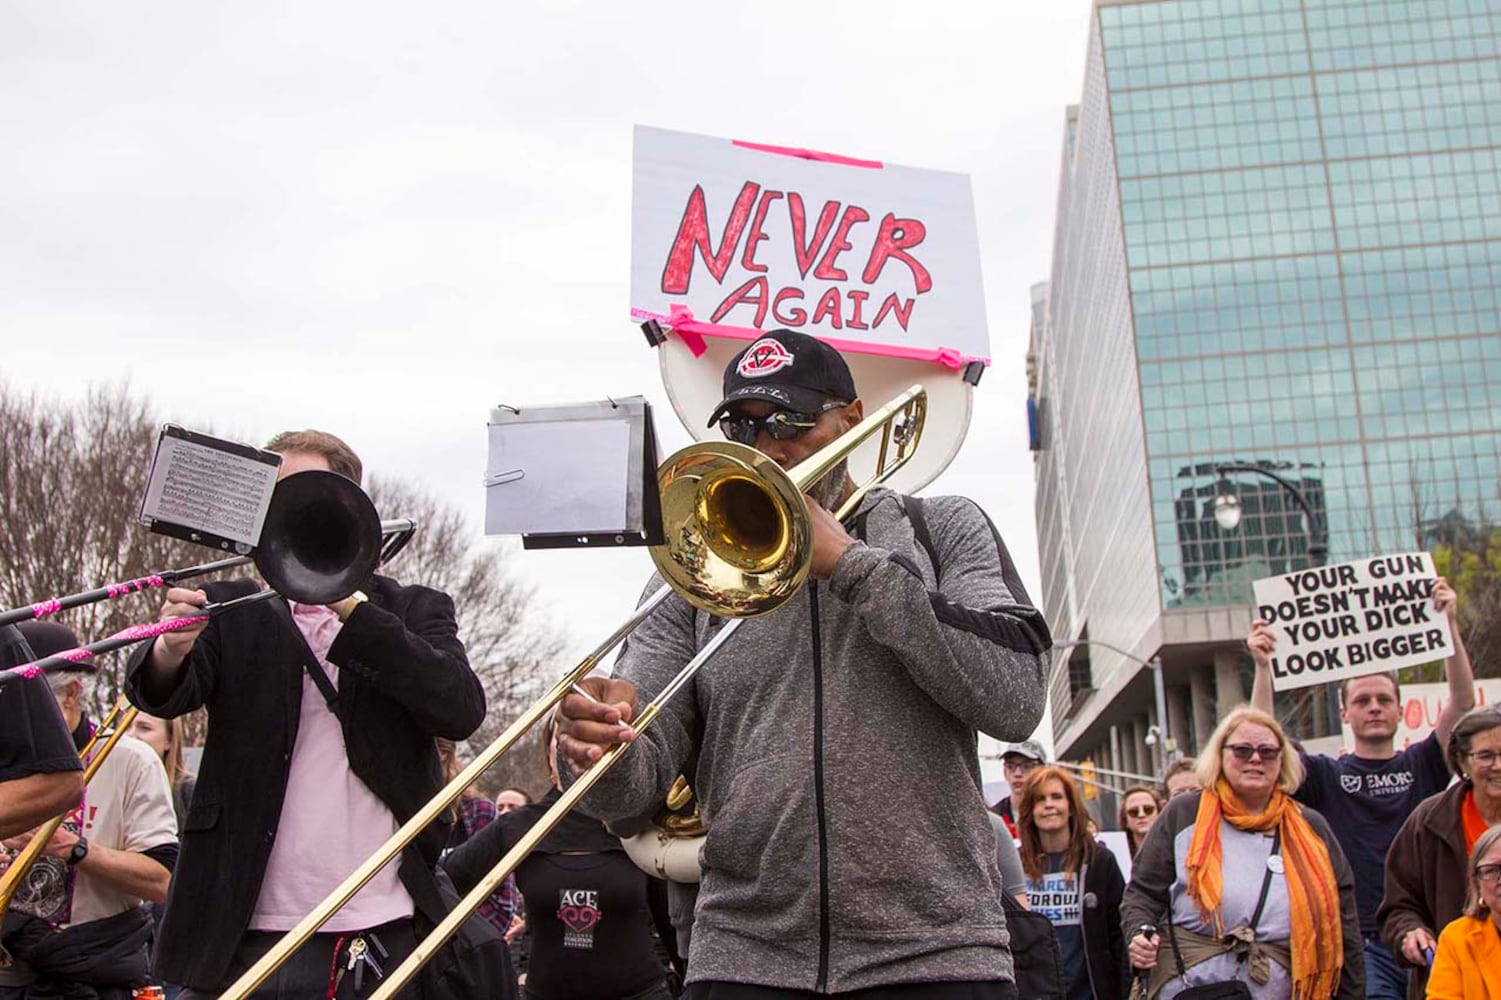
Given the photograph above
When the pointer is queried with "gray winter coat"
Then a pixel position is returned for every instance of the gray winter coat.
(832, 744)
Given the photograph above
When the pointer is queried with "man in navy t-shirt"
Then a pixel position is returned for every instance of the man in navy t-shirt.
(40, 773)
(1367, 795)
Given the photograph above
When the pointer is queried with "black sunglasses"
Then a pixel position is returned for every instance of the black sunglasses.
(781, 425)
(1245, 751)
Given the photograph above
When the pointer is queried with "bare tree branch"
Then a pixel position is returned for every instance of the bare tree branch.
(71, 481)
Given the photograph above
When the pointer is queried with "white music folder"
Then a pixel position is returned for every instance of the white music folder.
(570, 475)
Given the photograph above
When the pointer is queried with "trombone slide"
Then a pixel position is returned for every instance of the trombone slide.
(686, 574)
(428, 946)
(262, 970)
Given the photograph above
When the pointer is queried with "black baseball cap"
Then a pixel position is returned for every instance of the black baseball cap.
(791, 370)
(51, 638)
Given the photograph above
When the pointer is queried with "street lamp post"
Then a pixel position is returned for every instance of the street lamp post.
(1227, 508)
(1162, 731)
(1227, 512)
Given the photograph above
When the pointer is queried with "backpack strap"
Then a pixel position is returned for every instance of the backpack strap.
(1266, 881)
(913, 506)
(320, 678)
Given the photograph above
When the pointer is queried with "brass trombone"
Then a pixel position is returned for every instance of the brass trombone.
(739, 544)
(321, 539)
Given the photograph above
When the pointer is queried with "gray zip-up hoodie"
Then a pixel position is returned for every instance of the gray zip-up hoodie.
(832, 747)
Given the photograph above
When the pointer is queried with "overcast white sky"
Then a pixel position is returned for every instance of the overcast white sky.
(382, 219)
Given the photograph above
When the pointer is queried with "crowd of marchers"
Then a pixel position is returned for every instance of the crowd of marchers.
(1261, 869)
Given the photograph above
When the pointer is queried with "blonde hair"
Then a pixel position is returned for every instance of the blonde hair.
(173, 760)
(1210, 767)
(1474, 904)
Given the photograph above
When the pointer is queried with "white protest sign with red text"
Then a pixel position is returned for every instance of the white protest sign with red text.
(873, 257)
(1352, 619)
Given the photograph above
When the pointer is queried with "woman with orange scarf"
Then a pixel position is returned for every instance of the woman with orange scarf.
(1241, 884)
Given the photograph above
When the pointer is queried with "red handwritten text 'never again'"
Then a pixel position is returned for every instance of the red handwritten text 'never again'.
(843, 305)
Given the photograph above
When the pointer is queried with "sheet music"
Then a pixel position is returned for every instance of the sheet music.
(208, 489)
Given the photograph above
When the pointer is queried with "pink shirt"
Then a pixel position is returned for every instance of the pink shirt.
(330, 820)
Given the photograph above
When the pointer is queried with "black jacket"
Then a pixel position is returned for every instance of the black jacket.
(98, 960)
(1034, 951)
(1100, 906)
(403, 680)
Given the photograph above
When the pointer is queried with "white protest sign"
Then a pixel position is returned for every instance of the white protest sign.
(1353, 619)
(752, 236)
(1120, 846)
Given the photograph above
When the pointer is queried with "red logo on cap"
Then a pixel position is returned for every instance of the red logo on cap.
(764, 357)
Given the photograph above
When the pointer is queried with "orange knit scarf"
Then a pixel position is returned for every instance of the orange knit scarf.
(1474, 823)
(1317, 942)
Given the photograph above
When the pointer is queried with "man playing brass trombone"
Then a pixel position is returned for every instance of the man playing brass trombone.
(875, 676)
(320, 742)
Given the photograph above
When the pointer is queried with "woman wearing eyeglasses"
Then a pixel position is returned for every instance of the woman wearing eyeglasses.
(1468, 963)
(1139, 808)
(1243, 883)
(1428, 861)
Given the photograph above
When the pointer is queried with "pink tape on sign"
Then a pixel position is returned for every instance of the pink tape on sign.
(693, 333)
(680, 320)
(810, 154)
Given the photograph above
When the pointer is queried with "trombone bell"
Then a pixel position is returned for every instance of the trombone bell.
(321, 540)
(739, 542)
(744, 523)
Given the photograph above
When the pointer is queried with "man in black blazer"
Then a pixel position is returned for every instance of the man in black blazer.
(304, 775)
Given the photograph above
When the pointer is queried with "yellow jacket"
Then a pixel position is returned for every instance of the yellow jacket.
(1467, 965)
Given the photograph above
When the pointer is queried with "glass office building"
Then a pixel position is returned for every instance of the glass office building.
(1278, 244)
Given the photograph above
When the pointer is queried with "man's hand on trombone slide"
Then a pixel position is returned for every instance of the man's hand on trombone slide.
(586, 729)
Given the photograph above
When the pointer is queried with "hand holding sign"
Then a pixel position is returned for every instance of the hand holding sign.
(1331, 623)
(1262, 642)
(1445, 601)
